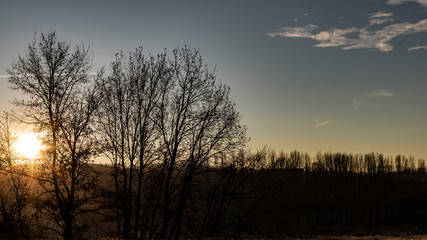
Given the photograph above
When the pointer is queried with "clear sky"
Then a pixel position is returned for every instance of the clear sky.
(311, 75)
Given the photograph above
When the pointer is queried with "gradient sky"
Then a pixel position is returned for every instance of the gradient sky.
(311, 75)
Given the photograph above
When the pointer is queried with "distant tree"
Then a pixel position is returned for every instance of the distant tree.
(15, 186)
(421, 165)
(61, 102)
(6, 141)
(16, 195)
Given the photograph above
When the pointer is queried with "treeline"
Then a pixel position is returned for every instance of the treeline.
(339, 193)
(340, 163)
(248, 194)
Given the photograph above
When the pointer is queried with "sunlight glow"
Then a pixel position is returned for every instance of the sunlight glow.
(28, 145)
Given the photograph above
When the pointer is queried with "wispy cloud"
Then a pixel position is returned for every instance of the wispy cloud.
(297, 32)
(381, 93)
(366, 38)
(396, 2)
(331, 38)
(361, 100)
(324, 123)
(380, 18)
(381, 15)
(417, 48)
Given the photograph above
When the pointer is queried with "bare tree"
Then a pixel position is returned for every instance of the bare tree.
(16, 187)
(130, 138)
(6, 141)
(168, 115)
(197, 121)
(16, 194)
(61, 102)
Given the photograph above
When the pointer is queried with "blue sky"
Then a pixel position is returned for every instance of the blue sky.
(311, 75)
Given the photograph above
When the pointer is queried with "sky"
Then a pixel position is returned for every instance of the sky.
(310, 75)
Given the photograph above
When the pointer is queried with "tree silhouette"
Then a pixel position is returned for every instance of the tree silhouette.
(131, 140)
(16, 187)
(197, 121)
(171, 113)
(61, 103)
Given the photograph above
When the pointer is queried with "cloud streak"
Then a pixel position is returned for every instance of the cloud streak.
(417, 48)
(396, 2)
(381, 93)
(380, 18)
(324, 123)
(366, 37)
(360, 100)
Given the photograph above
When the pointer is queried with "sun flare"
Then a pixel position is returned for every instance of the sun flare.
(28, 145)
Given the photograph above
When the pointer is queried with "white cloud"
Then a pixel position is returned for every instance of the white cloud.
(380, 18)
(321, 124)
(297, 32)
(417, 48)
(381, 93)
(378, 21)
(360, 100)
(365, 38)
(380, 15)
(396, 2)
(333, 37)
(330, 38)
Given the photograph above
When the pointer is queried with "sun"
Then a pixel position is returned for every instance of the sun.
(28, 145)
